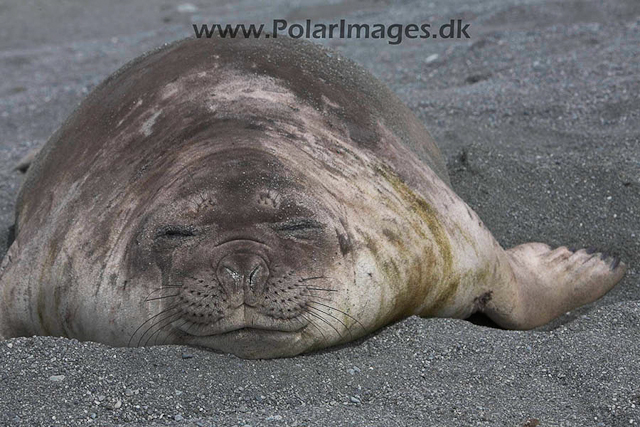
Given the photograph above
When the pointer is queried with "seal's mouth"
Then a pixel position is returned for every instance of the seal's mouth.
(246, 341)
(225, 328)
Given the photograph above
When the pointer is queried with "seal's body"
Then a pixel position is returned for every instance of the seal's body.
(265, 198)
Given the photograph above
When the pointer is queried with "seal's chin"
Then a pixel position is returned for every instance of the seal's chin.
(247, 337)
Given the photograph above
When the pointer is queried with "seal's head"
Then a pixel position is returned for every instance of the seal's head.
(246, 256)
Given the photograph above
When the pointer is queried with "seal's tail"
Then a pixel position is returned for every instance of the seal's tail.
(549, 282)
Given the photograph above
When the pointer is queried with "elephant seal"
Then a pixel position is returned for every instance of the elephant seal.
(264, 198)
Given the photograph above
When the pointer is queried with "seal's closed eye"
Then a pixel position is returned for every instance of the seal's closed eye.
(298, 224)
(303, 228)
(175, 232)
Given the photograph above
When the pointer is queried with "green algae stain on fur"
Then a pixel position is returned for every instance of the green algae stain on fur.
(393, 238)
(428, 215)
(370, 243)
(425, 211)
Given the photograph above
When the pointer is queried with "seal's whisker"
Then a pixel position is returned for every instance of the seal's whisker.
(317, 316)
(316, 296)
(164, 288)
(317, 289)
(313, 278)
(167, 333)
(160, 328)
(331, 315)
(157, 298)
(170, 332)
(149, 320)
(312, 323)
(340, 311)
(155, 324)
(171, 321)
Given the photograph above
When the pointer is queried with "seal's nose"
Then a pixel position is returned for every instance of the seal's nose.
(243, 273)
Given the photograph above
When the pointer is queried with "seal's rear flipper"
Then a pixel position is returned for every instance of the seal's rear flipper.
(549, 282)
(25, 162)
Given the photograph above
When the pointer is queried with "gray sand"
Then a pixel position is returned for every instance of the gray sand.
(538, 116)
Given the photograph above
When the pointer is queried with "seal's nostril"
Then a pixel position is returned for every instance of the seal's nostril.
(242, 273)
(234, 274)
(254, 277)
